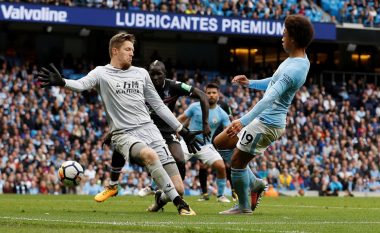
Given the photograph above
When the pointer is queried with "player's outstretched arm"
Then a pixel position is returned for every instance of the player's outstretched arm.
(272, 94)
(241, 80)
(253, 84)
(205, 106)
(50, 77)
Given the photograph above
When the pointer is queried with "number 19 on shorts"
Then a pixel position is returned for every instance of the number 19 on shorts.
(246, 139)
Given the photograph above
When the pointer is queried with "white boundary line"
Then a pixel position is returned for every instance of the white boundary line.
(126, 223)
(323, 207)
(150, 224)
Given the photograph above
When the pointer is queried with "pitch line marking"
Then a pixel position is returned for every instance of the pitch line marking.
(329, 207)
(189, 223)
(153, 224)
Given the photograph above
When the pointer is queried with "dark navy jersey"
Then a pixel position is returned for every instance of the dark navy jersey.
(225, 107)
(228, 110)
(169, 94)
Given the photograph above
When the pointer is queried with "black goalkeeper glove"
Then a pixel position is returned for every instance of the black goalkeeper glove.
(49, 78)
(206, 138)
(107, 140)
(193, 143)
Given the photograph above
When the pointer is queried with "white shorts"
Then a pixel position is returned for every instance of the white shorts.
(256, 137)
(147, 134)
(208, 154)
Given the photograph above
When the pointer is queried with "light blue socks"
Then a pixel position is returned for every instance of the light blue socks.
(221, 183)
(241, 183)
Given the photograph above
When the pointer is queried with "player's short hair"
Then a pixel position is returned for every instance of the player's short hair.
(117, 40)
(212, 85)
(299, 29)
(159, 64)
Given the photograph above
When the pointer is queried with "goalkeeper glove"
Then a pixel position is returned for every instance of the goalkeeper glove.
(107, 140)
(49, 78)
(190, 138)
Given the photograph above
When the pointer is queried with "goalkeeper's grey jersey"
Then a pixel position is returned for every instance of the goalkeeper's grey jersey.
(124, 93)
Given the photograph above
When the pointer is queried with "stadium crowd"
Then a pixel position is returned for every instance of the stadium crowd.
(332, 142)
(366, 12)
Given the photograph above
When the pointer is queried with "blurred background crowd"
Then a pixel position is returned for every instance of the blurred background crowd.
(332, 142)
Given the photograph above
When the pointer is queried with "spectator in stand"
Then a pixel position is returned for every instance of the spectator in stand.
(263, 172)
(335, 186)
(285, 180)
(91, 187)
(316, 184)
(273, 174)
(374, 185)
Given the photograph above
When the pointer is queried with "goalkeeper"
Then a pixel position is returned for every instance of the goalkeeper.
(169, 91)
(124, 89)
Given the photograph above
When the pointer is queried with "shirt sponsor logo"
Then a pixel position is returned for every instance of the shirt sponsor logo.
(287, 79)
(131, 87)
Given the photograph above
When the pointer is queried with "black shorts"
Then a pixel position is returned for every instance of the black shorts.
(170, 138)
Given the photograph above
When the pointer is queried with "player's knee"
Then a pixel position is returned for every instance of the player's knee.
(240, 160)
(238, 163)
(235, 162)
(148, 156)
(222, 141)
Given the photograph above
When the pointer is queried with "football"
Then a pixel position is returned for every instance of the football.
(70, 173)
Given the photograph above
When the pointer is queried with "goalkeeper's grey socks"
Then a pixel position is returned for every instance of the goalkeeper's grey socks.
(162, 179)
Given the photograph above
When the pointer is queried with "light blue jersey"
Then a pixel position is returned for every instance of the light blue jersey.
(216, 117)
(280, 91)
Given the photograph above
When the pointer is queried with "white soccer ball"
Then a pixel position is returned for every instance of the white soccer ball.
(70, 173)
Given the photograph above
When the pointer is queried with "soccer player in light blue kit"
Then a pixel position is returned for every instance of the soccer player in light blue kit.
(208, 155)
(266, 121)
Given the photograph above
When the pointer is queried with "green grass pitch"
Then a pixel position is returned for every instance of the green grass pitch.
(75, 213)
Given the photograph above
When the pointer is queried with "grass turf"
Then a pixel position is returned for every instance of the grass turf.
(74, 213)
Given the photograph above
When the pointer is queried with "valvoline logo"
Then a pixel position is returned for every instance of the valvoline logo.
(27, 13)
